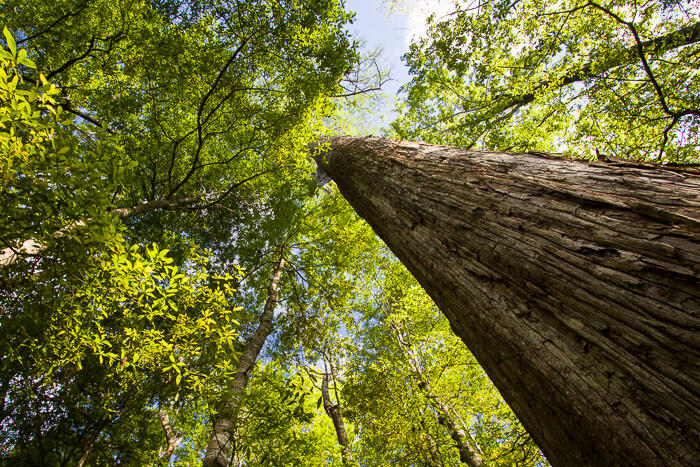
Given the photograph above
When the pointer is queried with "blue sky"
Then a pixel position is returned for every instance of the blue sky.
(392, 32)
(389, 32)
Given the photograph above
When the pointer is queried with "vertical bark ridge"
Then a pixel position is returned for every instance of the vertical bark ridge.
(574, 284)
(221, 440)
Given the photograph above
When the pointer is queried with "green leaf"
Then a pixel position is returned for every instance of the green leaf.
(10, 41)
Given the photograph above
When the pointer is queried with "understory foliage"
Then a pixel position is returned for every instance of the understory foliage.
(406, 347)
(154, 162)
(582, 77)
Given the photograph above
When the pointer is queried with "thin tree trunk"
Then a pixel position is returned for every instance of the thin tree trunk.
(470, 453)
(334, 411)
(574, 284)
(220, 442)
(30, 247)
(171, 438)
(89, 442)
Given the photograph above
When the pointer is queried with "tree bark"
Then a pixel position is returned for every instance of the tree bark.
(171, 438)
(220, 443)
(575, 285)
(336, 414)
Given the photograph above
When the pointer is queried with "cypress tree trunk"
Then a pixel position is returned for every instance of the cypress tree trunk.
(575, 285)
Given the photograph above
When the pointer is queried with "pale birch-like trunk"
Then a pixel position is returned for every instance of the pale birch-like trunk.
(574, 284)
(335, 412)
(220, 443)
(171, 438)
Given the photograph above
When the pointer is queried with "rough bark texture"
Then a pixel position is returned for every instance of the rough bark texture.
(336, 414)
(469, 451)
(574, 284)
(220, 442)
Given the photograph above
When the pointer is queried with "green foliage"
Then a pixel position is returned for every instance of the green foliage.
(138, 312)
(281, 424)
(401, 327)
(574, 76)
(203, 107)
(25, 133)
(198, 93)
(50, 177)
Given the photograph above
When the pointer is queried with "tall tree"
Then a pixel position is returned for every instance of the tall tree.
(469, 451)
(219, 448)
(579, 76)
(574, 284)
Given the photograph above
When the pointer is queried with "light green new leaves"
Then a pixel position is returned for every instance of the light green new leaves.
(27, 114)
(281, 424)
(408, 359)
(52, 178)
(137, 312)
(10, 41)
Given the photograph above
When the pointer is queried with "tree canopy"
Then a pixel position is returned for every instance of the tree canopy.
(161, 217)
(581, 77)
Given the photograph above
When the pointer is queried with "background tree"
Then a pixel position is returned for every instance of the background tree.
(580, 77)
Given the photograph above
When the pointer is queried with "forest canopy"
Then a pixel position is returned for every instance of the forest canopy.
(176, 289)
(613, 78)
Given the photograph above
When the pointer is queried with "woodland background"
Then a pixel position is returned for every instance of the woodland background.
(175, 287)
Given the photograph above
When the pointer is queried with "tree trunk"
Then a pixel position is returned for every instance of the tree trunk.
(171, 438)
(89, 441)
(220, 442)
(470, 452)
(574, 284)
(334, 411)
